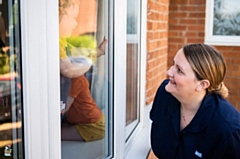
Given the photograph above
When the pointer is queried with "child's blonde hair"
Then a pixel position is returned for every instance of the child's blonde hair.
(63, 4)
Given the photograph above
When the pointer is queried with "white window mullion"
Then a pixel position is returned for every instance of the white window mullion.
(139, 148)
(119, 77)
(40, 73)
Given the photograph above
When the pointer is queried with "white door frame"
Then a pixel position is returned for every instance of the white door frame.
(120, 13)
(40, 78)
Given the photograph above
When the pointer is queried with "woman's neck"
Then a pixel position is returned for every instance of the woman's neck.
(191, 103)
(189, 108)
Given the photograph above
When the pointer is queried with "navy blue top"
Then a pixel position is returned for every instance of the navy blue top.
(213, 133)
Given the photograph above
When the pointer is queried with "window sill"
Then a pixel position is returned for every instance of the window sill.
(140, 148)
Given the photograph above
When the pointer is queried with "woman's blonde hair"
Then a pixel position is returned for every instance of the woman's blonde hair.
(208, 63)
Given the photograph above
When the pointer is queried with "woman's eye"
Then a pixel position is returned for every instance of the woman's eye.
(179, 70)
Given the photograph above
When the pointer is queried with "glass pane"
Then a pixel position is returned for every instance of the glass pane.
(132, 94)
(11, 133)
(84, 74)
(226, 17)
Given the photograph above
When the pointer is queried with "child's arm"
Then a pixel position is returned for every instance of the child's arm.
(69, 103)
(72, 69)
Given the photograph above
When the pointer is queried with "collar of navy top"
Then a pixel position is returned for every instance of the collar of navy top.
(200, 120)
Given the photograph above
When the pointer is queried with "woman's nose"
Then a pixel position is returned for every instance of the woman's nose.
(170, 71)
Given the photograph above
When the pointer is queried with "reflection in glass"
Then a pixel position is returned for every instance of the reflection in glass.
(226, 17)
(133, 52)
(84, 98)
(11, 136)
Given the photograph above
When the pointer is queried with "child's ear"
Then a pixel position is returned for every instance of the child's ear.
(204, 84)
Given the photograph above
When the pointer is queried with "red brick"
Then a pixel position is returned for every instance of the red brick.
(177, 15)
(197, 2)
(178, 2)
(196, 15)
(196, 27)
(195, 40)
(188, 21)
(177, 27)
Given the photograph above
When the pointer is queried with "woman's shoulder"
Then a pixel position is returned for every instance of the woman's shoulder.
(227, 114)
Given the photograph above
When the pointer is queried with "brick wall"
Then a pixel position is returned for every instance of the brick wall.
(186, 25)
(232, 80)
(165, 35)
(157, 43)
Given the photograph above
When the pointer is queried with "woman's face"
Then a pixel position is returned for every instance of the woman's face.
(183, 82)
(68, 21)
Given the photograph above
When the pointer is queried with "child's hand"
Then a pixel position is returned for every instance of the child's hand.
(62, 108)
(101, 47)
(63, 111)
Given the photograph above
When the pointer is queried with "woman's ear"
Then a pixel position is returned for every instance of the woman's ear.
(204, 84)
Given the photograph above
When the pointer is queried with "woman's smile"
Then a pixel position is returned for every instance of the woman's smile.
(171, 81)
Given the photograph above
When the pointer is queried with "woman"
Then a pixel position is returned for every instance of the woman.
(191, 117)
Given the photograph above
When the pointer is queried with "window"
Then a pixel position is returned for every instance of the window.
(82, 27)
(107, 77)
(133, 66)
(11, 132)
(222, 22)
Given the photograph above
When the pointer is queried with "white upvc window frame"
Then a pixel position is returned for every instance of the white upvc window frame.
(130, 148)
(216, 39)
(119, 78)
(138, 144)
(40, 78)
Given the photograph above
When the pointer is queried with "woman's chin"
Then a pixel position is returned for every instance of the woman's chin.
(170, 87)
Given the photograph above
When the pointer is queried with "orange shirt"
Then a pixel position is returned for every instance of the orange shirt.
(83, 109)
